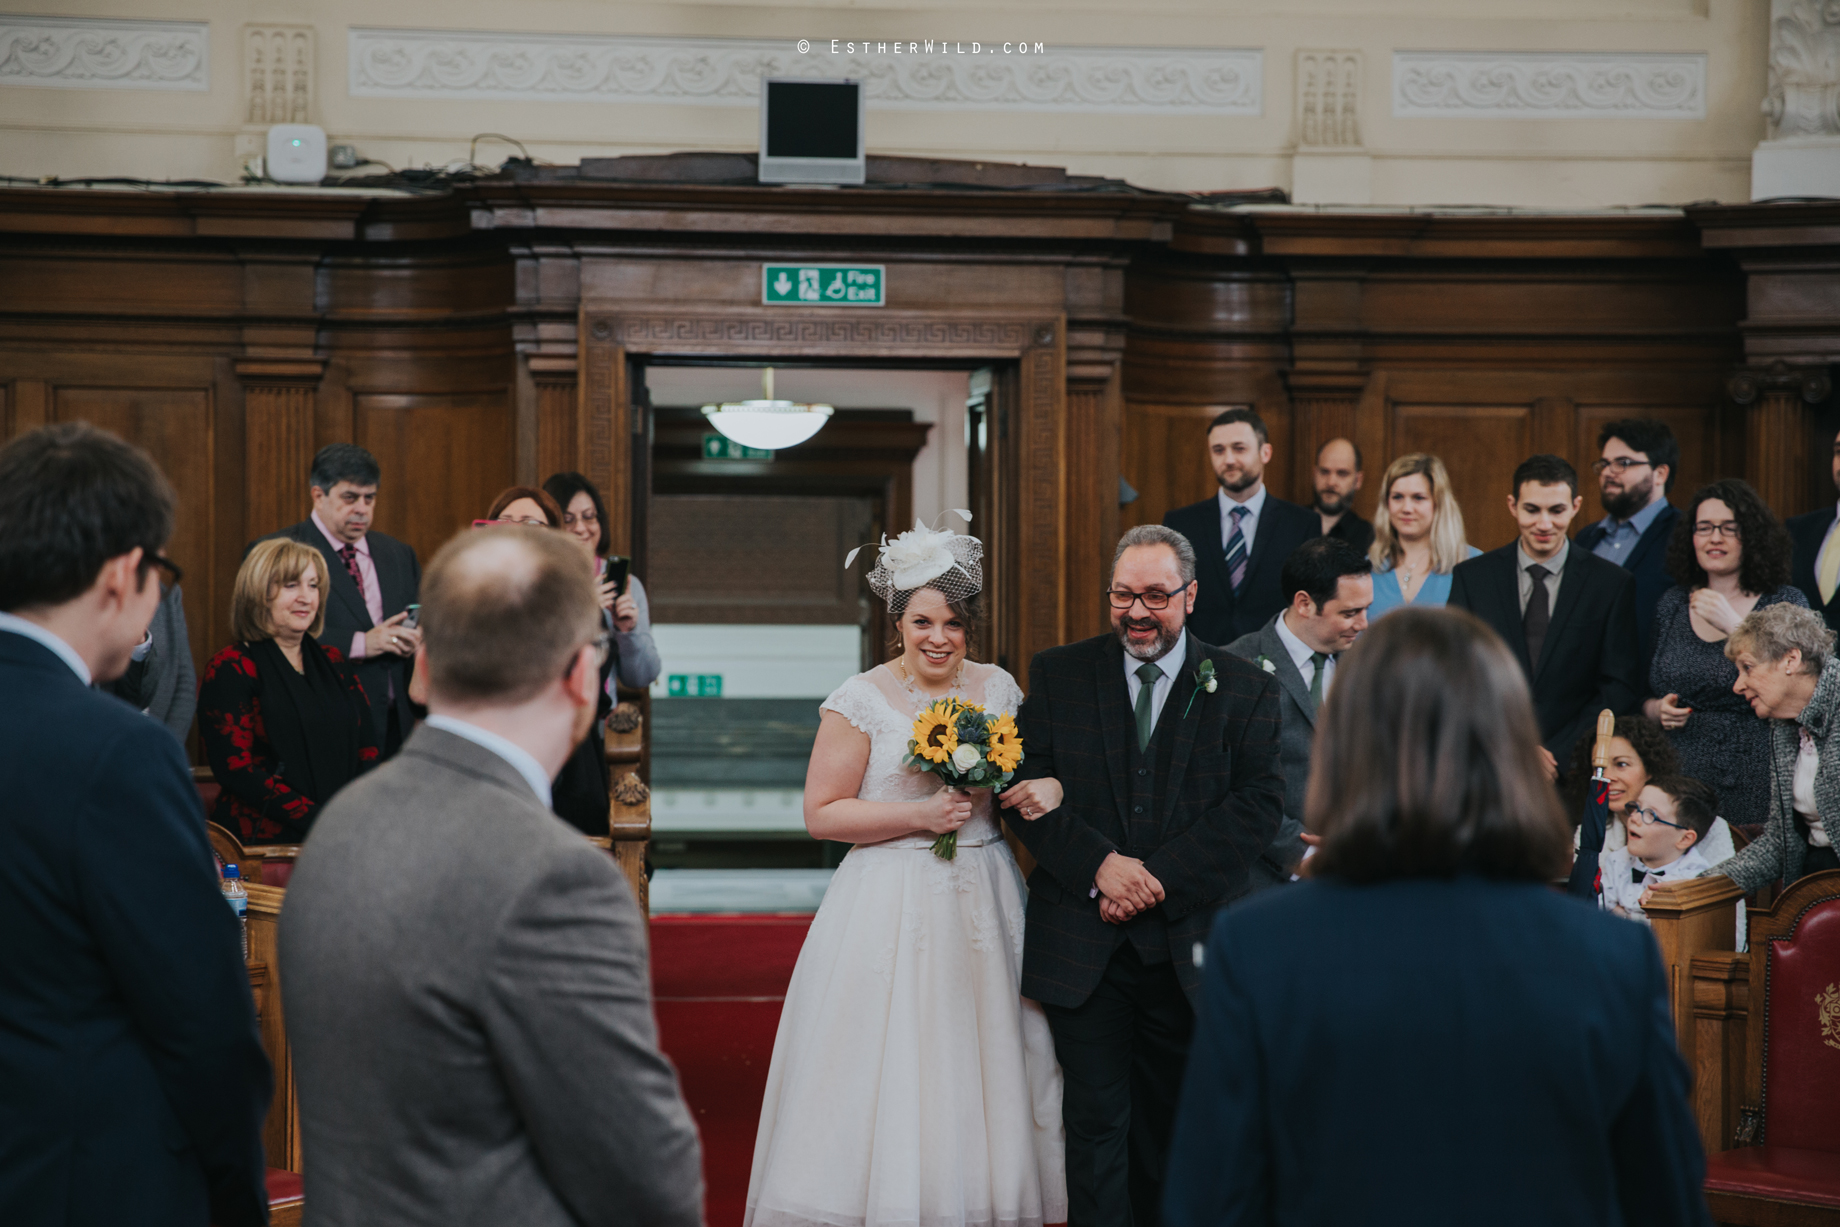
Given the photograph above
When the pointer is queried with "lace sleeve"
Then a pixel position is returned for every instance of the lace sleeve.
(856, 702)
(1002, 696)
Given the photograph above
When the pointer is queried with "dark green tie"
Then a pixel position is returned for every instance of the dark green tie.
(1319, 660)
(1147, 675)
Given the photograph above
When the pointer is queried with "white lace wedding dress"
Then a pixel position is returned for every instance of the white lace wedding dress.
(911, 1084)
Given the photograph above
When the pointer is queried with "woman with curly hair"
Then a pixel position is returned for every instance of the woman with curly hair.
(1729, 556)
(1639, 752)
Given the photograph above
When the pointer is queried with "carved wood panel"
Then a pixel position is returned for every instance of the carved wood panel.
(1165, 458)
(175, 426)
(444, 457)
(278, 432)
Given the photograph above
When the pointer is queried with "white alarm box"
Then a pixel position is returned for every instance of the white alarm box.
(296, 153)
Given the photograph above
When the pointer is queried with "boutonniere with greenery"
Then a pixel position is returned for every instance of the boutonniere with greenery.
(1204, 680)
(1264, 662)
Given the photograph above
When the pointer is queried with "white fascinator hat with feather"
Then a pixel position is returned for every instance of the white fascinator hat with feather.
(950, 563)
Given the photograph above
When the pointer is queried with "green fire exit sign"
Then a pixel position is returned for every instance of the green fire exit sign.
(835, 285)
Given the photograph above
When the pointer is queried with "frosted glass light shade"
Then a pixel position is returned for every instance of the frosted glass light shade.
(769, 424)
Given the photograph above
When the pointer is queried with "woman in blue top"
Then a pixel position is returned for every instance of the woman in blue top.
(1418, 535)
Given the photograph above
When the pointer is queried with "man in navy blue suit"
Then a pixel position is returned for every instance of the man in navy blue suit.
(1242, 535)
(1635, 471)
(132, 1080)
(1815, 568)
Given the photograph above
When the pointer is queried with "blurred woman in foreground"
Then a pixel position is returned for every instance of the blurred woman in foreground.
(1425, 1031)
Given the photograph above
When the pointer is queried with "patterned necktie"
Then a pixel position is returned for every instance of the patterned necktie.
(1236, 548)
(1147, 675)
(1539, 614)
(1827, 570)
(1320, 661)
(350, 554)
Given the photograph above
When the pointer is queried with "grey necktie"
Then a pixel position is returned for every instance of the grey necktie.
(1147, 675)
(1538, 616)
(1320, 661)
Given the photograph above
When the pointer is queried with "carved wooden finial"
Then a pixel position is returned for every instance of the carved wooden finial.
(1606, 729)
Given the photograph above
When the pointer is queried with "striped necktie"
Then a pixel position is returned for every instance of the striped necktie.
(1236, 548)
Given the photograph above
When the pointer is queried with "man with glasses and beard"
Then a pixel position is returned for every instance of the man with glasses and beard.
(1167, 748)
(1634, 474)
(1338, 480)
(1243, 534)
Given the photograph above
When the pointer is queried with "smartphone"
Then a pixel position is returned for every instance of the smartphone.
(415, 615)
(618, 569)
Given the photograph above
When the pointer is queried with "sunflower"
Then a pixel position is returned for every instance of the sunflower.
(936, 734)
(1005, 743)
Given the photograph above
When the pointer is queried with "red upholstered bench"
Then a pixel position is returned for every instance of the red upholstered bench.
(1779, 1174)
(1792, 1072)
(284, 1198)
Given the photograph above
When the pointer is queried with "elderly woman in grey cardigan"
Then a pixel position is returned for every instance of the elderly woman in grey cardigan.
(1788, 672)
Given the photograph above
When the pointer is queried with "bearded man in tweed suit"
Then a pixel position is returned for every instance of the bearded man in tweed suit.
(1167, 748)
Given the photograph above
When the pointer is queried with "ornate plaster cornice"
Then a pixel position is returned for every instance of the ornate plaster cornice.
(1549, 85)
(104, 53)
(463, 64)
(1804, 97)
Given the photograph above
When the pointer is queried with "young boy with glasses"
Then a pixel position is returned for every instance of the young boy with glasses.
(1671, 815)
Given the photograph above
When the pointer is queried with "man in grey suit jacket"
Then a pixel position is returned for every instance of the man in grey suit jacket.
(1330, 586)
(465, 976)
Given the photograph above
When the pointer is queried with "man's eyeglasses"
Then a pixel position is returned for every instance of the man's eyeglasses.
(1643, 817)
(603, 648)
(171, 569)
(1153, 599)
(1706, 528)
(1621, 464)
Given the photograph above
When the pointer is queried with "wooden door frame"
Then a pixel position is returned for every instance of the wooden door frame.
(1036, 570)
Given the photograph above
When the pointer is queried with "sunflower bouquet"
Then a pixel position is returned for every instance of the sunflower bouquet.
(966, 747)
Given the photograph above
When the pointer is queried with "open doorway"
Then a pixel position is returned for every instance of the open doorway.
(756, 619)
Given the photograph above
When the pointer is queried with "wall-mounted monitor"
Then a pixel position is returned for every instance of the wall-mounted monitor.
(811, 130)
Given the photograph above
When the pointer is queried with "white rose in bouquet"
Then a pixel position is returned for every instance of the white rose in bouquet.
(966, 757)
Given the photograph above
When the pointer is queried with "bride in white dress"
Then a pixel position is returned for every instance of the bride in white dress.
(911, 1083)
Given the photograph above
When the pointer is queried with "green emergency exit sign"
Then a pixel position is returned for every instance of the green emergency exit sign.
(694, 685)
(835, 285)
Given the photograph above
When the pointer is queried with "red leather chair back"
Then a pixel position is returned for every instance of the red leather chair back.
(1801, 1058)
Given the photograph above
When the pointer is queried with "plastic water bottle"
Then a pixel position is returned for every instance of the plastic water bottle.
(237, 895)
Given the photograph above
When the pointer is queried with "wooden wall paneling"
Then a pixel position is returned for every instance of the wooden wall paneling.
(1094, 415)
(444, 456)
(1038, 438)
(280, 403)
(556, 395)
(1372, 423)
(176, 426)
(1166, 459)
(1780, 432)
(603, 429)
(28, 405)
(1480, 444)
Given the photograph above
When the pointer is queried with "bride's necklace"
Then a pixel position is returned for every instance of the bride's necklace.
(920, 697)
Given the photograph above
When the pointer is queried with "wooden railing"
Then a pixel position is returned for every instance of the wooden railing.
(1695, 924)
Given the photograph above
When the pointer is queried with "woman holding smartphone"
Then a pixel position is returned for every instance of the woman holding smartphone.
(584, 517)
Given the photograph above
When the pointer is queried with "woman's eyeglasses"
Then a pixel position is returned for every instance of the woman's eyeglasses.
(1643, 817)
(496, 523)
(1706, 528)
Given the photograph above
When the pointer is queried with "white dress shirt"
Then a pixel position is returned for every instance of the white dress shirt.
(1807, 763)
(520, 758)
(38, 634)
(1555, 572)
(1171, 665)
(1248, 523)
(1300, 656)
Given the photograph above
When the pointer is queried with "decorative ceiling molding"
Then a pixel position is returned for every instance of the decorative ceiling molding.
(460, 64)
(104, 53)
(1549, 85)
(1804, 97)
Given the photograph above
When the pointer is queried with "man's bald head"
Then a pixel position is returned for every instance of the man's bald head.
(503, 610)
(1338, 476)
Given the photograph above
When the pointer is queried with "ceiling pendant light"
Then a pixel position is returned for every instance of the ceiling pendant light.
(767, 423)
